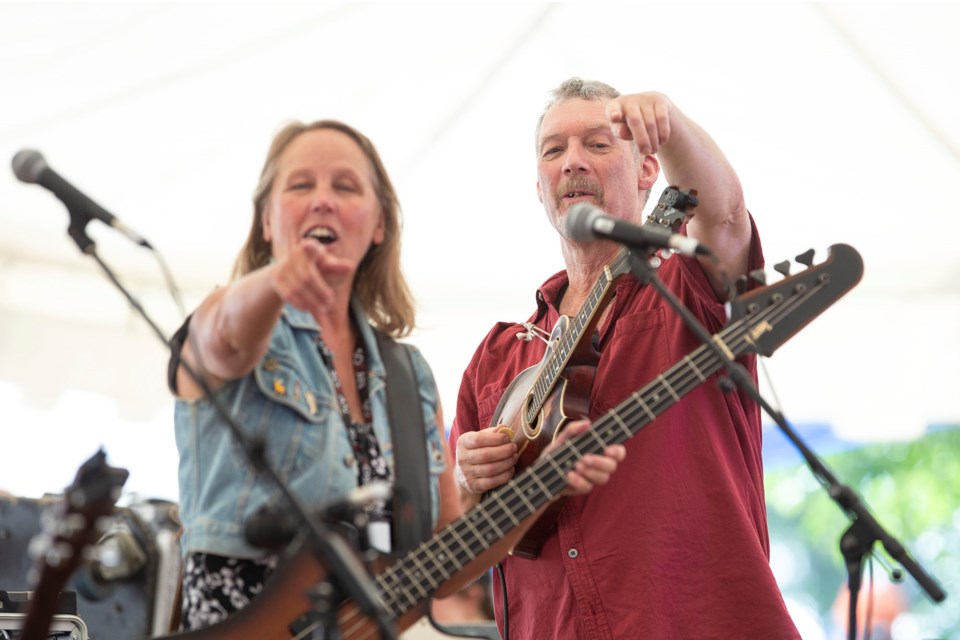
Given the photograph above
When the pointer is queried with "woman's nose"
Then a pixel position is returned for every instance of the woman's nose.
(323, 200)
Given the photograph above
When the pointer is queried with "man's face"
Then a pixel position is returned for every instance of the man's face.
(580, 160)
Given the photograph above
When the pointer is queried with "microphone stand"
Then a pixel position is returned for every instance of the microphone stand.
(858, 540)
(348, 574)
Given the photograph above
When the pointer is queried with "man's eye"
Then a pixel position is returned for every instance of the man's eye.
(552, 151)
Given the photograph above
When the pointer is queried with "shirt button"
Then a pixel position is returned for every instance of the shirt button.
(573, 553)
(347, 460)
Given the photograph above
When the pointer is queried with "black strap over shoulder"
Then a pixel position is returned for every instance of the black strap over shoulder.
(411, 491)
(176, 349)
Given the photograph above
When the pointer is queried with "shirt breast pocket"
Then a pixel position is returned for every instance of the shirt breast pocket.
(487, 403)
(635, 354)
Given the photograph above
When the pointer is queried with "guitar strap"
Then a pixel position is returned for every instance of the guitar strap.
(411, 484)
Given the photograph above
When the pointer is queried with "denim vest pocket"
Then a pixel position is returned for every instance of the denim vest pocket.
(291, 420)
(283, 383)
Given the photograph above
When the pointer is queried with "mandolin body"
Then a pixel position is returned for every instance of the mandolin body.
(533, 424)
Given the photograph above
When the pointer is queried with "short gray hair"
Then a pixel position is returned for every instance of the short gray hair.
(575, 88)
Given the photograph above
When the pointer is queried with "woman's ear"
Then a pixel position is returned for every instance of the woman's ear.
(380, 232)
(265, 225)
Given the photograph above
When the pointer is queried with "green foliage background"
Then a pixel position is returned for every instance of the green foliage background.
(911, 488)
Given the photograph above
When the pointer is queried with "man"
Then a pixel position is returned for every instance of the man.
(676, 544)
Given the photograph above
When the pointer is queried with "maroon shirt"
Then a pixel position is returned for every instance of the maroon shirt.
(676, 544)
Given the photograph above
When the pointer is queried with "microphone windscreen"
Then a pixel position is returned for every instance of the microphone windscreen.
(269, 528)
(28, 165)
(580, 217)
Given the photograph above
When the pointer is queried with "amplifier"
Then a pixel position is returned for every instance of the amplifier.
(65, 624)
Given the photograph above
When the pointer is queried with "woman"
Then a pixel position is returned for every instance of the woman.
(289, 347)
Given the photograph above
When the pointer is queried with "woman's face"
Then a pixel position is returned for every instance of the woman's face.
(323, 192)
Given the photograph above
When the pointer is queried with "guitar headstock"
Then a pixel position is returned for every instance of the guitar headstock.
(787, 306)
(71, 527)
(672, 209)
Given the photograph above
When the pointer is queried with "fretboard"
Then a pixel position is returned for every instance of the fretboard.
(418, 574)
(565, 345)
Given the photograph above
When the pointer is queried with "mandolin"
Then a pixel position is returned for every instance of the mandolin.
(545, 398)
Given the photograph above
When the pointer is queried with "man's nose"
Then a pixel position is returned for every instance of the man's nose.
(575, 159)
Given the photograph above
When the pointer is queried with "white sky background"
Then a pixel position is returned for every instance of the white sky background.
(840, 119)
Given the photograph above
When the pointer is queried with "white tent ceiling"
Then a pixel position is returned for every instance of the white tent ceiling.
(840, 119)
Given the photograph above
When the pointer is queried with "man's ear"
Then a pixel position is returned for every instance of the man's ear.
(648, 170)
(539, 192)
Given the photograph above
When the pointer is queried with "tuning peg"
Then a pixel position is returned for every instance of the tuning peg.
(740, 285)
(782, 267)
(759, 276)
(806, 258)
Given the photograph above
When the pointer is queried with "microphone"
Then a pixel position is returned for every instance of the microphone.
(31, 167)
(586, 222)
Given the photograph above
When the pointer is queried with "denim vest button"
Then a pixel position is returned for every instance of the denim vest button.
(271, 364)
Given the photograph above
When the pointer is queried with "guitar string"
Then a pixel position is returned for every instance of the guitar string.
(705, 362)
(700, 373)
(493, 521)
(541, 385)
(704, 356)
(573, 453)
(564, 458)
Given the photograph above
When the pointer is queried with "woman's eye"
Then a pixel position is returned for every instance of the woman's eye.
(344, 186)
(300, 185)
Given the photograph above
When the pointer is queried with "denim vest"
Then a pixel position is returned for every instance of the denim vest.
(289, 401)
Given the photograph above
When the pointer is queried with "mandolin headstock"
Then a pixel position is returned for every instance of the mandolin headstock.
(673, 209)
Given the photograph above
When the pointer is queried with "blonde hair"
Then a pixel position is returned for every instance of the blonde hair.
(379, 285)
